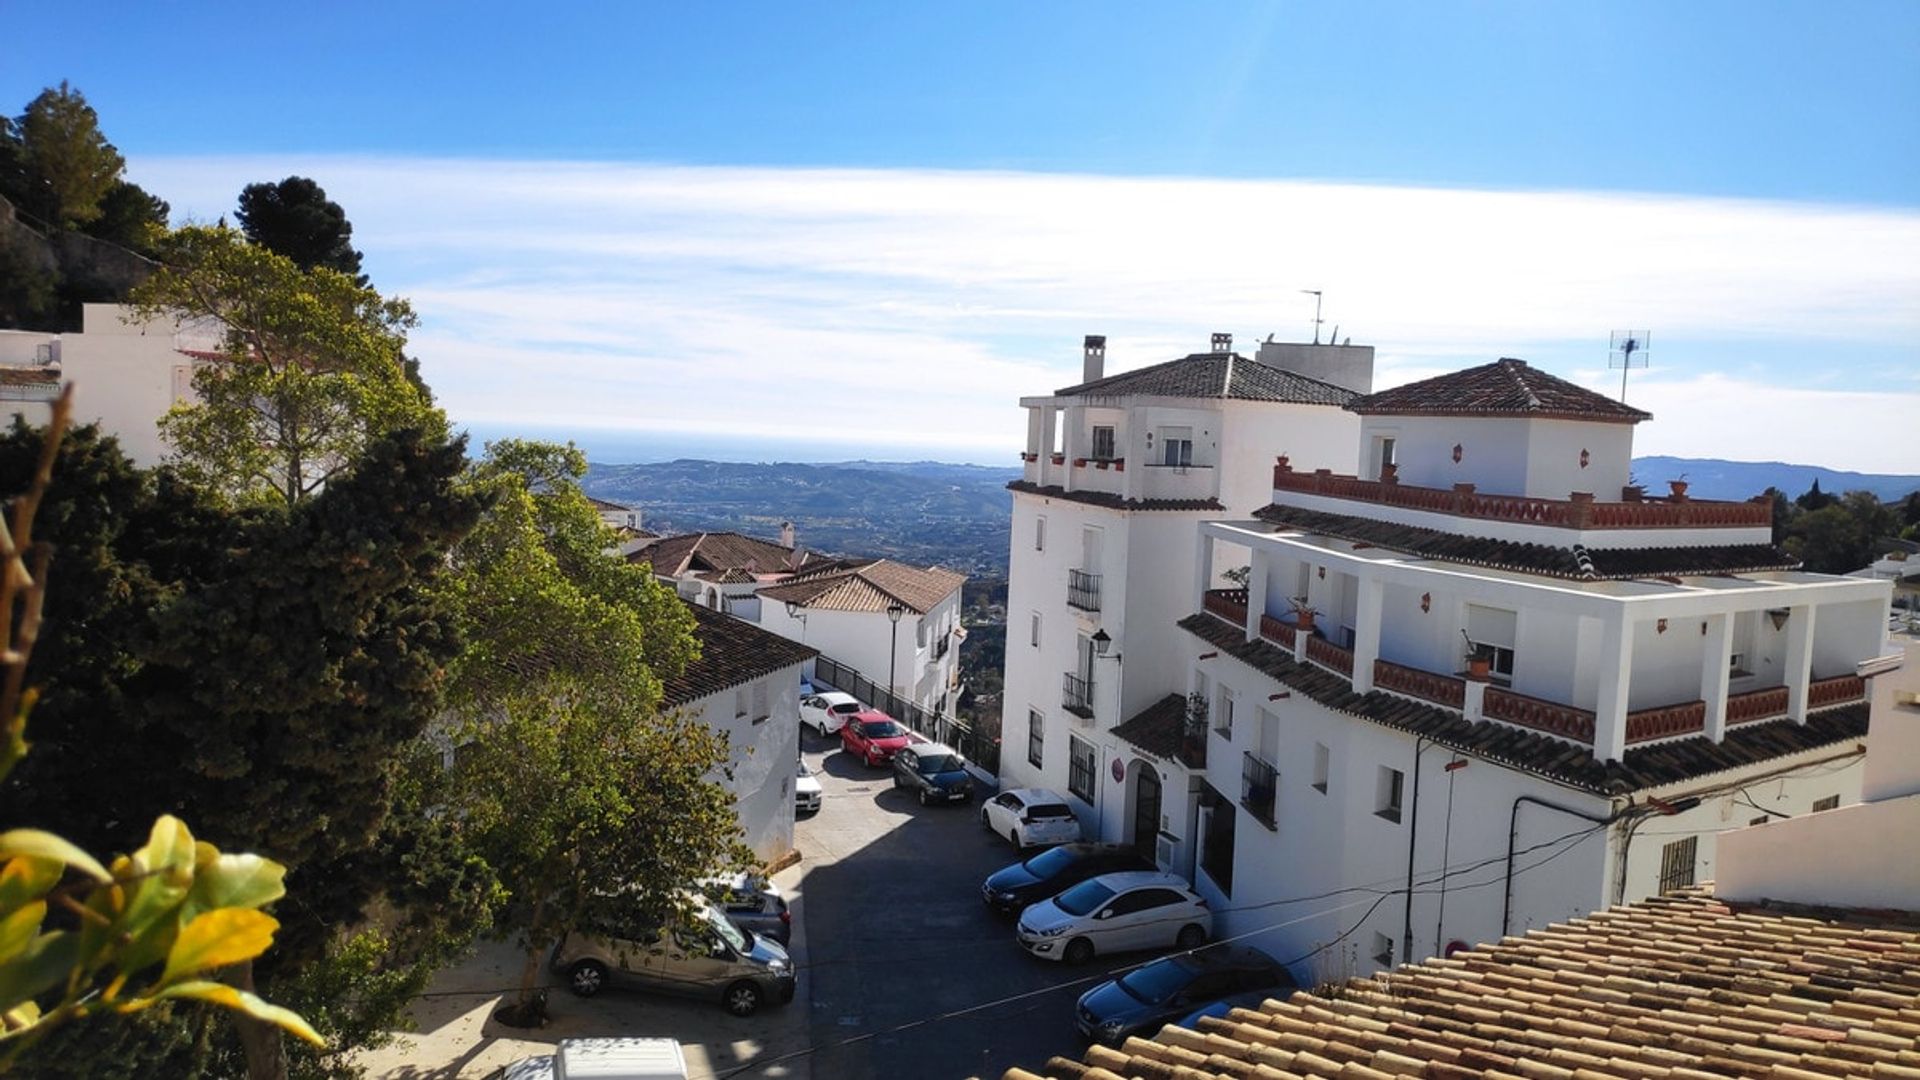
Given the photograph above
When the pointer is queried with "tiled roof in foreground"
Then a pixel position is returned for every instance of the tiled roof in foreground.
(1602, 564)
(1215, 375)
(1570, 763)
(1109, 499)
(1682, 987)
(1159, 729)
(868, 586)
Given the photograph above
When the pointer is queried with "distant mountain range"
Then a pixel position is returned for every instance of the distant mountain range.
(957, 516)
(922, 512)
(1711, 478)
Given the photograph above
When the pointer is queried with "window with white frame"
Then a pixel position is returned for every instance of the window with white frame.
(1387, 791)
(1491, 632)
(1322, 767)
(1269, 741)
(739, 702)
(1035, 642)
(1223, 713)
(1102, 442)
(1082, 763)
(1176, 446)
(1036, 738)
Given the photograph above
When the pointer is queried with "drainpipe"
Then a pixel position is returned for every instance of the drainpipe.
(1513, 835)
(1413, 832)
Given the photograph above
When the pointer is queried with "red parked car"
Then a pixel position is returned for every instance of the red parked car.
(872, 736)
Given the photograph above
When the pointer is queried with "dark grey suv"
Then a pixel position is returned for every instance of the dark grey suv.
(938, 774)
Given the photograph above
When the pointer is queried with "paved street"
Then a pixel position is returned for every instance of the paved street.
(895, 934)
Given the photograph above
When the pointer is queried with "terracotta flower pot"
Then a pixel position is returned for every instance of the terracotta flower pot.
(1479, 668)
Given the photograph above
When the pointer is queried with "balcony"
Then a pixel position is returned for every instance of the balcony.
(941, 644)
(1228, 604)
(1668, 721)
(1258, 783)
(1447, 690)
(1083, 590)
(1581, 512)
(1531, 712)
(1077, 696)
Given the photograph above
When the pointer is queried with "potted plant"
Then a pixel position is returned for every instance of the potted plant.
(1389, 473)
(1678, 487)
(1303, 614)
(1479, 659)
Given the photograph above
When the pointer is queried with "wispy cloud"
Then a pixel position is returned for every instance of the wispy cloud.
(911, 308)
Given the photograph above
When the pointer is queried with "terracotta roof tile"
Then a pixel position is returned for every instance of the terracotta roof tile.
(1506, 387)
(1215, 375)
(1525, 1007)
(1158, 729)
(705, 553)
(29, 376)
(869, 586)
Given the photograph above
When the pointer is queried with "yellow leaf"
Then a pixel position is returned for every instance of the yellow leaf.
(218, 938)
(26, 878)
(233, 998)
(39, 844)
(169, 848)
(19, 929)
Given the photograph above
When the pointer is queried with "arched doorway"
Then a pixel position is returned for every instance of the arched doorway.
(1146, 810)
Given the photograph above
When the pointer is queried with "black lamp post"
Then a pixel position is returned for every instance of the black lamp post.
(894, 611)
(796, 610)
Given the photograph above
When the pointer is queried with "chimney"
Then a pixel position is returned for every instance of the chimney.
(786, 535)
(1222, 343)
(1094, 364)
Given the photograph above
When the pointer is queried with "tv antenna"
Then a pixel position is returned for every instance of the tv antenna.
(1628, 351)
(1315, 293)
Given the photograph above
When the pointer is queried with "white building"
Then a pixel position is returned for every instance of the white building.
(1656, 673)
(746, 684)
(126, 374)
(1120, 471)
(723, 571)
(898, 625)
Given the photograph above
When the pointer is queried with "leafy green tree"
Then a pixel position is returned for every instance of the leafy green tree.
(569, 781)
(1782, 513)
(1814, 499)
(295, 218)
(1831, 540)
(67, 165)
(131, 218)
(284, 663)
(78, 939)
(311, 374)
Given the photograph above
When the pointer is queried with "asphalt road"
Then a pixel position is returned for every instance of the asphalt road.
(901, 954)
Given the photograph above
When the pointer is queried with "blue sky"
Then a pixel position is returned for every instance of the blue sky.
(669, 217)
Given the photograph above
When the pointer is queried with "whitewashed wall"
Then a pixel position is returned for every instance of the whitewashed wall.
(761, 753)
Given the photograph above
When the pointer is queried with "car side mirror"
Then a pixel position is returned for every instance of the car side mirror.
(718, 949)
(1106, 914)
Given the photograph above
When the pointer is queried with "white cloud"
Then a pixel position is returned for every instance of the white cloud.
(915, 307)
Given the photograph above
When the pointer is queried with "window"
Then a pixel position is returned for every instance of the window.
(1269, 735)
(1259, 783)
(1831, 802)
(1081, 763)
(1386, 799)
(920, 634)
(1492, 631)
(1036, 738)
(1223, 714)
(1737, 665)
(1382, 950)
(1102, 442)
(1036, 630)
(739, 702)
(1322, 766)
(1040, 534)
(1676, 864)
(1176, 446)
(761, 710)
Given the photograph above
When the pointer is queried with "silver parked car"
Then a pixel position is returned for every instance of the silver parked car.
(753, 903)
(712, 958)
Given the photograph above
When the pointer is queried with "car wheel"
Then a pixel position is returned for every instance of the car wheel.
(923, 796)
(1078, 951)
(985, 821)
(1192, 936)
(742, 999)
(1014, 835)
(586, 978)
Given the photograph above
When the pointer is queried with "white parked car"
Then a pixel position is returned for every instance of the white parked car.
(806, 790)
(826, 713)
(1029, 816)
(1134, 909)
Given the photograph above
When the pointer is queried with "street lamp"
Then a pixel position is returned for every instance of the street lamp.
(1101, 643)
(797, 610)
(894, 611)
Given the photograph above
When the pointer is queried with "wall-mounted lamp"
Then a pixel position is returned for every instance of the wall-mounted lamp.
(1102, 641)
(1779, 617)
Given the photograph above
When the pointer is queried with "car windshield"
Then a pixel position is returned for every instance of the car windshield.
(1083, 897)
(846, 707)
(741, 941)
(1049, 810)
(939, 763)
(1156, 982)
(1050, 862)
(880, 729)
